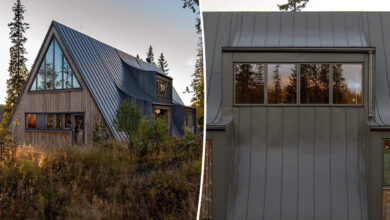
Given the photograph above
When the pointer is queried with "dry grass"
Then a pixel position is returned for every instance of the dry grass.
(101, 182)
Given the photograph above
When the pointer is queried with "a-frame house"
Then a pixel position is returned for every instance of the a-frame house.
(77, 82)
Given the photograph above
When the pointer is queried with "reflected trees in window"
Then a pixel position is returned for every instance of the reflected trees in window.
(347, 83)
(249, 83)
(282, 83)
(314, 83)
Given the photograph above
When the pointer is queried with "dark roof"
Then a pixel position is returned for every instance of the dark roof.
(109, 72)
(303, 30)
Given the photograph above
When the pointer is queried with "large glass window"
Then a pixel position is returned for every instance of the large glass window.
(347, 83)
(58, 121)
(162, 88)
(249, 83)
(68, 121)
(55, 71)
(282, 83)
(31, 120)
(316, 81)
(49, 121)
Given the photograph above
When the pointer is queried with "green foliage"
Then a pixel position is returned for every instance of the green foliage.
(193, 5)
(163, 63)
(105, 181)
(7, 145)
(293, 5)
(17, 65)
(1, 111)
(100, 133)
(128, 120)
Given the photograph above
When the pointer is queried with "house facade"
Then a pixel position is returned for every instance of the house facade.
(77, 82)
(298, 114)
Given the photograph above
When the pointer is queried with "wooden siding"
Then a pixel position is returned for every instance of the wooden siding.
(79, 100)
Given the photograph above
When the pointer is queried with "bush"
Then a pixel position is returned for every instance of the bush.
(100, 133)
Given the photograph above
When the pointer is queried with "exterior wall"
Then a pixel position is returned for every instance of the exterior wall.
(54, 101)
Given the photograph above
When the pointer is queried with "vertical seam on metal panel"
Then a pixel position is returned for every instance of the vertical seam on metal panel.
(266, 30)
(250, 163)
(358, 165)
(346, 159)
(239, 38)
(293, 27)
(346, 29)
(281, 182)
(212, 62)
(384, 49)
(319, 28)
(306, 30)
(280, 28)
(299, 163)
(330, 162)
(332, 23)
(314, 163)
(266, 162)
(360, 30)
(368, 26)
(253, 29)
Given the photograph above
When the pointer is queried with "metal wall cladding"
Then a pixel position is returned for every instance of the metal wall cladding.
(303, 29)
(297, 163)
(111, 74)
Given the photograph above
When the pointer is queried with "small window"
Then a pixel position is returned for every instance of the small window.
(189, 120)
(58, 121)
(162, 88)
(68, 121)
(314, 83)
(347, 83)
(249, 83)
(31, 120)
(282, 83)
(49, 121)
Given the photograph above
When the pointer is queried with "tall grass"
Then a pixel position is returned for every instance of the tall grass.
(105, 181)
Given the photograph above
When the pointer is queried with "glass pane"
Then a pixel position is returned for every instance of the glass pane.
(76, 83)
(34, 85)
(68, 121)
(314, 83)
(249, 83)
(67, 75)
(58, 121)
(282, 83)
(162, 88)
(347, 83)
(49, 121)
(386, 163)
(50, 67)
(31, 120)
(41, 77)
(58, 66)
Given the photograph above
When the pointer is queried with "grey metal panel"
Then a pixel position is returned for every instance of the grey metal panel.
(290, 157)
(243, 166)
(326, 30)
(273, 31)
(232, 201)
(338, 164)
(286, 30)
(261, 27)
(306, 164)
(246, 34)
(258, 159)
(274, 163)
(340, 30)
(313, 29)
(322, 183)
(300, 31)
(354, 33)
(353, 178)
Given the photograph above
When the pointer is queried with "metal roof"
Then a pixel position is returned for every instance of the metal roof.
(304, 30)
(109, 72)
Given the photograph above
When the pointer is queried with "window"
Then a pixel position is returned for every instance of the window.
(49, 121)
(282, 83)
(249, 83)
(162, 88)
(55, 72)
(31, 120)
(347, 83)
(386, 179)
(319, 83)
(189, 119)
(68, 121)
(58, 121)
(314, 83)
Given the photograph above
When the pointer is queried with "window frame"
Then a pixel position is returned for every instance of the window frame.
(54, 129)
(42, 58)
(230, 58)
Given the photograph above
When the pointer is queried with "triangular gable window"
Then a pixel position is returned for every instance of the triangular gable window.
(55, 72)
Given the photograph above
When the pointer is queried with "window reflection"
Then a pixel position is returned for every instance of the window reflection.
(162, 88)
(314, 83)
(49, 121)
(347, 83)
(282, 83)
(58, 121)
(249, 83)
(50, 67)
(58, 66)
(31, 120)
(68, 121)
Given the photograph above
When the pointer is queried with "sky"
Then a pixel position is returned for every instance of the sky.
(128, 25)
(313, 5)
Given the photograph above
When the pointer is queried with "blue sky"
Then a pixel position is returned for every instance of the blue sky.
(129, 25)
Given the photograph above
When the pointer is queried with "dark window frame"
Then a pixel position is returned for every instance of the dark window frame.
(298, 98)
(63, 129)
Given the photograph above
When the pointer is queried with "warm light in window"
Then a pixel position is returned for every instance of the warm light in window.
(157, 111)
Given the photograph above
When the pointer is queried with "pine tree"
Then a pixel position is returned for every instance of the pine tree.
(293, 5)
(17, 65)
(150, 55)
(291, 88)
(277, 84)
(163, 63)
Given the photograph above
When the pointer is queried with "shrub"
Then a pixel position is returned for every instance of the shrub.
(100, 133)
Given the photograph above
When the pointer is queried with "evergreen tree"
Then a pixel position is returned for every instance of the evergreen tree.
(339, 85)
(293, 5)
(277, 84)
(17, 65)
(291, 88)
(150, 55)
(193, 5)
(138, 57)
(163, 63)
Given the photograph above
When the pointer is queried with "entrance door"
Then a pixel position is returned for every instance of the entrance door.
(164, 113)
(78, 131)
